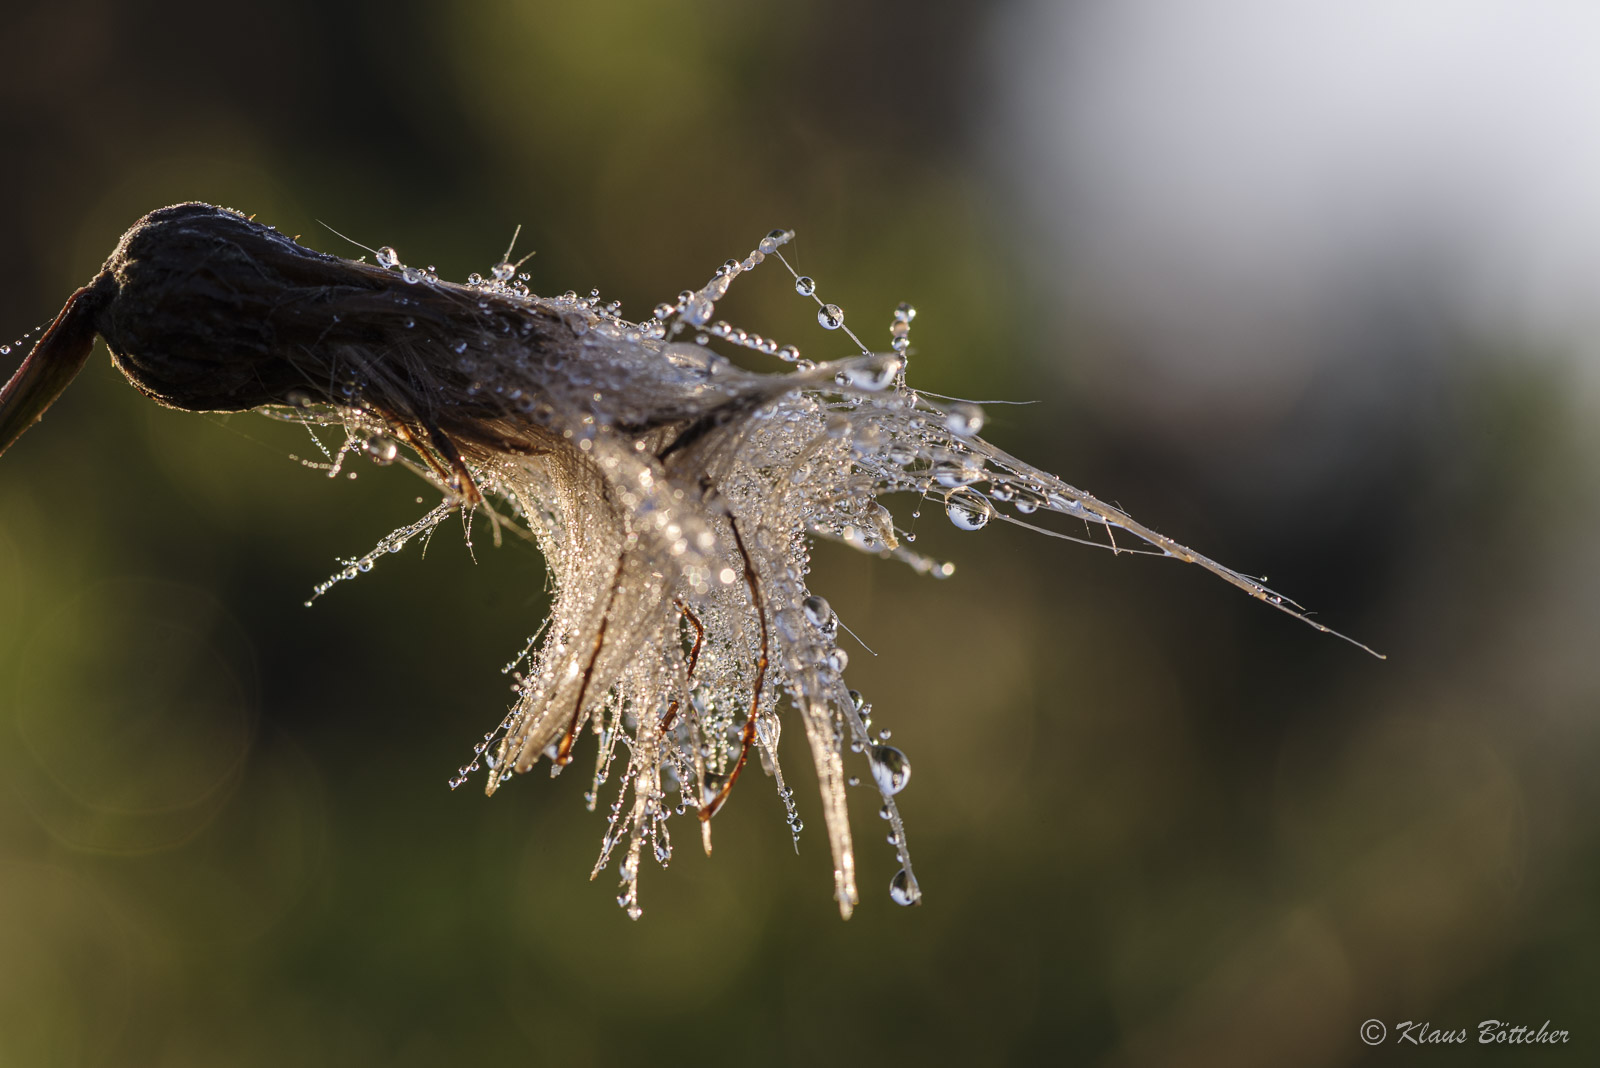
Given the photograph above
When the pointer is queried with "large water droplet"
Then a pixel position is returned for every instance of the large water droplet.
(968, 510)
(904, 890)
(891, 768)
(387, 257)
(503, 271)
(831, 316)
(905, 313)
(805, 285)
(818, 611)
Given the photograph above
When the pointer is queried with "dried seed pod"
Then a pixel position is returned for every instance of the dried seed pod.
(667, 488)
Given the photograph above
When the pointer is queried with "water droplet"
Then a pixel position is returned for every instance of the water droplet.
(1028, 502)
(789, 353)
(663, 310)
(5, 350)
(805, 285)
(474, 279)
(831, 316)
(904, 890)
(711, 787)
(890, 768)
(875, 374)
(818, 611)
(411, 275)
(963, 420)
(838, 660)
(382, 448)
(387, 257)
(905, 313)
(503, 271)
(952, 474)
(698, 310)
(968, 510)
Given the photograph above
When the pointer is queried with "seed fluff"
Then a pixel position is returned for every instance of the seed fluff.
(674, 494)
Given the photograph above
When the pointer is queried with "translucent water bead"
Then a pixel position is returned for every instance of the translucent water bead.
(968, 510)
(890, 768)
(388, 258)
(903, 889)
(963, 420)
(831, 316)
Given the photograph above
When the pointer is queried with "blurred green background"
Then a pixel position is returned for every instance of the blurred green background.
(1155, 822)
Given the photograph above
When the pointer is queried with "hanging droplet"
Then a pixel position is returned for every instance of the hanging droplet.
(818, 611)
(903, 889)
(905, 313)
(387, 257)
(838, 660)
(831, 316)
(711, 787)
(805, 285)
(967, 509)
(963, 419)
(789, 353)
(890, 768)
(664, 309)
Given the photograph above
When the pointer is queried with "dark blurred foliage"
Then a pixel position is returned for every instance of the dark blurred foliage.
(1155, 822)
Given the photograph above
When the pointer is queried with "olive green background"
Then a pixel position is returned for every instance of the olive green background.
(1155, 822)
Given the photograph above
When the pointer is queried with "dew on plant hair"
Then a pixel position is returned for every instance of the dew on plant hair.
(890, 768)
(818, 611)
(674, 495)
(963, 419)
(903, 888)
(967, 509)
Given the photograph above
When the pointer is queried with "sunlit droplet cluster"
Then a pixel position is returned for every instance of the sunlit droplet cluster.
(675, 495)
